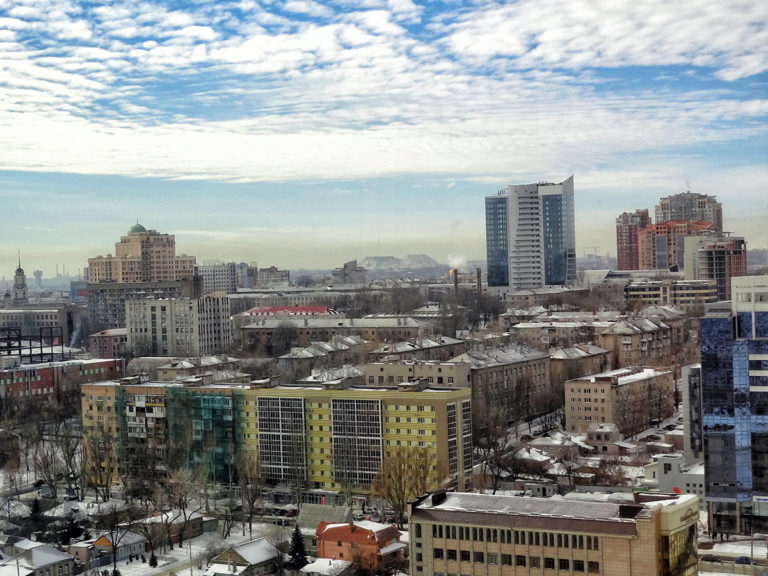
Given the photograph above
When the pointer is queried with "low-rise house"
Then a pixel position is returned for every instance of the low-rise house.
(311, 515)
(255, 558)
(367, 544)
(36, 558)
(670, 473)
(128, 544)
(329, 567)
(171, 524)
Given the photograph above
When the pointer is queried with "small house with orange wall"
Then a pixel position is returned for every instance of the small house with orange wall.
(368, 544)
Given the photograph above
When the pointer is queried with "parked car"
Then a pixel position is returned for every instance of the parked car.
(709, 558)
(743, 560)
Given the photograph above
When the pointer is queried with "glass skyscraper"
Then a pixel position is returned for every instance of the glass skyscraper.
(734, 406)
(530, 235)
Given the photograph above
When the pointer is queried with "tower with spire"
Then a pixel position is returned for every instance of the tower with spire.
(20, 285)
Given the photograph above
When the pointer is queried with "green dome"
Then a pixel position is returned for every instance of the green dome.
(136, 228)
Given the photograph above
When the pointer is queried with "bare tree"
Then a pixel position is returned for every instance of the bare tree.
(250, 478)
(492, 436)
(49, 465)
(98, 457)
(402, 477)
(113, 521)
(184, 487)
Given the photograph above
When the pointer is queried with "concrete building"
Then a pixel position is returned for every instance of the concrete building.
(575, 361)
(178, 327)
(671, 473)
(516, 377)
(222, 277)
(435, 348)
(111, 343)
(320, 437)
(270, 276)
(349, 273)
(450, 374)
(662, 245)
(530, 235)
(718, 258)
(142, 256)
(631, 398)
(627, 228)
(734, 404)
(494, 535)
(691, 207)
(684, 294)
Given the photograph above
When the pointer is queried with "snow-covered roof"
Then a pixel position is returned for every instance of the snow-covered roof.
(394, 547)
(326, 567)
(257, 552)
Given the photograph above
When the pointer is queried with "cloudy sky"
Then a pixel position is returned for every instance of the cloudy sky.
(303, 133)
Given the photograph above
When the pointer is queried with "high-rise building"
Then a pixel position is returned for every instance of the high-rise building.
(219, 277)
(717, 257)
(662, 245)
(691, 207)
(178, 327)
(627, 228)
(142, 256)
(734, 408)
(531, 235)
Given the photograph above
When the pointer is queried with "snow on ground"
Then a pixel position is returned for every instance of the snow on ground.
(177, 560)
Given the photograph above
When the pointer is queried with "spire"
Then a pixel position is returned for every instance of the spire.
(19, 251)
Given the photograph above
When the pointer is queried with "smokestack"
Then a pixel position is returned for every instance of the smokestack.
(479, 282)
(455, 273)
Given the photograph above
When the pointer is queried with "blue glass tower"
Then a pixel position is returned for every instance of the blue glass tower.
(496, 240)
(734, 404)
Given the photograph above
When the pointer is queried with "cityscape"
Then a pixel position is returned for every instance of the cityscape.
(396, 288)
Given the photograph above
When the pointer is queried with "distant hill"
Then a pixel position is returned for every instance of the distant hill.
(391, 263)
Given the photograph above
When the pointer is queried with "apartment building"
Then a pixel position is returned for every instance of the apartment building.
(511, 375)
(662, 245)
(717, 258)
(323, 437)
(627, 227)
(450, 374)
(495, 535)
(110, 343)
(691, 207)
(684, 294)
(631, 398)
(222, 277)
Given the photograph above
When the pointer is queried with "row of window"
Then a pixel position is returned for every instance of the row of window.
(567, 564)
(529, 537)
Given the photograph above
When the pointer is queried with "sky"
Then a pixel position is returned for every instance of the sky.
(303, 134)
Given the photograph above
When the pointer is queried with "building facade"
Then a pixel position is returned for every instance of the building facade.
(734, 405)
(494, 535)
(178, 327)
(318, 439)
(717, 258)
(661, 246)
(631, 398)
(627, 228)
(531, 235)
(691, 207)
(219, 278)
(108, 343)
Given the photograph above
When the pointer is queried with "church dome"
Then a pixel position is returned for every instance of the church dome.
(136, 228)
(19, 271)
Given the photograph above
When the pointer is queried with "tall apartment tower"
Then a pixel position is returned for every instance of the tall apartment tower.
(531, 235)
(690, 206)
(662, 245)
(142, 256)
(734, 408)
(717, 257)
(221, 277)
(627, 227)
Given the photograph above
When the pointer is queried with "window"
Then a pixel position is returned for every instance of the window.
(451, 554)
(549, 563)
(506, 559)
(519, 560)
(437, 553)
(478, 557)
(578, 565)
(465, 555)
(564, 564)
(493, 558)
(593, 567)
(535, 561)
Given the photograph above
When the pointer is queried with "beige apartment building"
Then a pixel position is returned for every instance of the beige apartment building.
(142, 256)
(452, 374)
(492, 535)
(178, 327)
(631, 398)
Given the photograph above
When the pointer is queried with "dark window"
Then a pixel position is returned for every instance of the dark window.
(506, 559)
(594, 567)
(549, 563)
(519, 560)
(564, 564)
(578, 565)
(464, 555)
(478, 557)
(437, 553)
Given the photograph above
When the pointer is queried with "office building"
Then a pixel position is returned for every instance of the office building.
(627, 228)
(493, 535)
(531, 236)
(142, 256)
(178, 327)
(716, 257)
(734, 405)
(691, 207)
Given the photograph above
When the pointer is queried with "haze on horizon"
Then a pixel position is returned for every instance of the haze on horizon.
(303, 134)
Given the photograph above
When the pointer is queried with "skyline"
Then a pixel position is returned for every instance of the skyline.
(298, 132)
